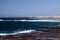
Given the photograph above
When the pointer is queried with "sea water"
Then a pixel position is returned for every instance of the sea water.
(9, 26)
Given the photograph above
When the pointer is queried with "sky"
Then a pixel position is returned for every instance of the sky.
(17, 8)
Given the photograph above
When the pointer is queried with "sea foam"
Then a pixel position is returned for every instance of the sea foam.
(14, 33)
(49, 20)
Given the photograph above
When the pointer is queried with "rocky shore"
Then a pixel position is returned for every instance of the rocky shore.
(51, 34)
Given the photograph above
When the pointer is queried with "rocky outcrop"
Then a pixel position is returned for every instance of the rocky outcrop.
(51, 34)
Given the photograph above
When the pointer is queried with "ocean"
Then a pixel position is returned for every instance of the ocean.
(25, 25)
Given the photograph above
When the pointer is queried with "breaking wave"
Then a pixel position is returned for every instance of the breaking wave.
(33, 20)
(14, 33)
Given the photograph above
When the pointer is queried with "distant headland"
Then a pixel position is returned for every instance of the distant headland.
(33, 17)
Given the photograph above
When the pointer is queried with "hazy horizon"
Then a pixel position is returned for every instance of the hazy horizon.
(18, 8)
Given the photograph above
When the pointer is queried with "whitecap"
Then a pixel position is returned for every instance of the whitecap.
(25, 31)
(33, 20)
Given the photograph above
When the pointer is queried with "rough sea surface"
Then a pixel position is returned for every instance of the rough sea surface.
(12, 25)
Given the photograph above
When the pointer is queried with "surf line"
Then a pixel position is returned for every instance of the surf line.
(14, 33)
(33, 20)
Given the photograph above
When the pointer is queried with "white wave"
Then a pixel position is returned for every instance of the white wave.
(41, 20)
(25, 31)
(1, 20)
(33, 20)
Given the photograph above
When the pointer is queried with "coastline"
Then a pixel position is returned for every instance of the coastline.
(52, 34)
(49, 34)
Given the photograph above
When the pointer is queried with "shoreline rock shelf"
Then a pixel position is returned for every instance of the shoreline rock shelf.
(51, 34)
